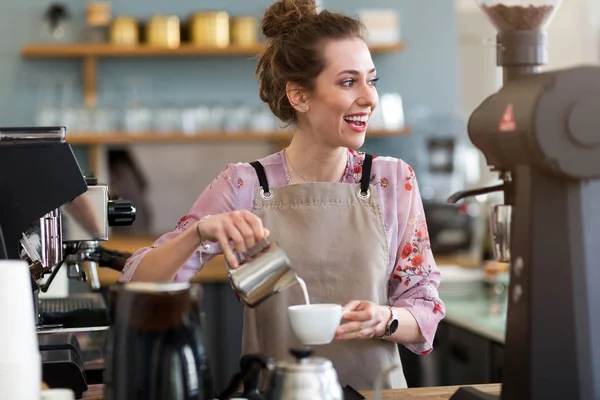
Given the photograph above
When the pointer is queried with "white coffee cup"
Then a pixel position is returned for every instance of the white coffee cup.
(315, 324)
(20, 364)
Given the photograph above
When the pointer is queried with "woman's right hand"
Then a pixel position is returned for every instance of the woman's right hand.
(242, 227)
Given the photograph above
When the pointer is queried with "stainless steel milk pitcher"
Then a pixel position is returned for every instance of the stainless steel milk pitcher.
(263, 271)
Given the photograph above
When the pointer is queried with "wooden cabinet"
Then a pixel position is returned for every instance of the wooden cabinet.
(466, 358)
(497, 362)
(469, 357)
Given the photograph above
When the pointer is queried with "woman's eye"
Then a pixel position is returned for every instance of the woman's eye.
(348, 83)
(373, 81)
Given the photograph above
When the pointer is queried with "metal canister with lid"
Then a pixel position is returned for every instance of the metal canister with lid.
(244, 31)
(163, 31)
(124, 31)
(210, 29)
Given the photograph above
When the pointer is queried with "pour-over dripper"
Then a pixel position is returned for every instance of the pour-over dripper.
(519, 15)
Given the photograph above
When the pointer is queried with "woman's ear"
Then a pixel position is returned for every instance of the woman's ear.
(297, 96)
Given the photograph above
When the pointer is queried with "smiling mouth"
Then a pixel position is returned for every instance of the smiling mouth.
(357, 121)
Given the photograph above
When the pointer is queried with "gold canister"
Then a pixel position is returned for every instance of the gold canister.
(98, 13)
(163, 31)
(124, 30)
(210, 29)
(244, 31)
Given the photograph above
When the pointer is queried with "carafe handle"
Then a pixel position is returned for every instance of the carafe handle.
(250, 367)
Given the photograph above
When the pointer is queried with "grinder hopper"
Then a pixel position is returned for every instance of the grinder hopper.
(517, 15)
(521, 39)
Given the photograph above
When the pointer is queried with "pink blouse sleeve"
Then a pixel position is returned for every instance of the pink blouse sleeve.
(416, 278)
(219, 197)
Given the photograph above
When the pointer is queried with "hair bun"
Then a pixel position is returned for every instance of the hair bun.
(283, 15)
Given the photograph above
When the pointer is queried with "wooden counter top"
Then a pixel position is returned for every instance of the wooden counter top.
(430, 393)
(215, 270)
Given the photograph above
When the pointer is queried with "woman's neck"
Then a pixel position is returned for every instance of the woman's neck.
(310, 161)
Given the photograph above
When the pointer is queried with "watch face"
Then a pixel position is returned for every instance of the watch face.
(393, 326)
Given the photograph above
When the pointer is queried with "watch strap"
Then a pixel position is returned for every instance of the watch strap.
(393, 317)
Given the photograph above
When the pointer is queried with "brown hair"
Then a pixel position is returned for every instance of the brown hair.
(295, 33)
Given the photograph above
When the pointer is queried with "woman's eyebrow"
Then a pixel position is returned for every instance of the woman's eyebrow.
(355, 72)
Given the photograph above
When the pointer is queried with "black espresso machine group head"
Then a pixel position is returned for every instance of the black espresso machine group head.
(541, 133)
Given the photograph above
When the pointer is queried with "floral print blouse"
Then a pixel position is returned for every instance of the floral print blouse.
(413, 275)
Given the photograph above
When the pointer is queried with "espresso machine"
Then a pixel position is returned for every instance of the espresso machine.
(52, 216)
(541, 133)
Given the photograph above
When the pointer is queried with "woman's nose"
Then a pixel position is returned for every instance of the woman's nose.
(368, 96)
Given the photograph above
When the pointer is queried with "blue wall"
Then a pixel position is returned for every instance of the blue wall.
(426, 73)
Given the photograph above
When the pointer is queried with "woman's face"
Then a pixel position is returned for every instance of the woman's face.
(344, 96)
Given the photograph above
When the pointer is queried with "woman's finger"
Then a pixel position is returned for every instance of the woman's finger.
(235, 236)
(363, 315)
(352, 327)
(366, 332)
(351, 305)
(223, 241)
(246, 231)
(256, 224)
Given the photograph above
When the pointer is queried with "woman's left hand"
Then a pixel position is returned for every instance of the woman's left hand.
(364, 320)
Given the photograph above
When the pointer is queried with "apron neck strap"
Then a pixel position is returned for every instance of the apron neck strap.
(365, 179)
(366, 173)
(262, 176)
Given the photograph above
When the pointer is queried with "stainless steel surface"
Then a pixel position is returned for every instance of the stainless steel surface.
(79, 258)
(85, 222)
(51, 235)
(311, 378)
(42, 241)
(500, 223)
(93, 275)
(31, 242)
(264, 271)
(43, 135)
(86, 217)
(92, 342)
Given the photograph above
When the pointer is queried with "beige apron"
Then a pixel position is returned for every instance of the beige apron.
(336, 242)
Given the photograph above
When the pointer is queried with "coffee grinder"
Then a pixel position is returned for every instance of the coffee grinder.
(541, 133)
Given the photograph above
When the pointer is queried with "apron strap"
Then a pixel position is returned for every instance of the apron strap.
(366, 174)
(364, 181)
(262, 176)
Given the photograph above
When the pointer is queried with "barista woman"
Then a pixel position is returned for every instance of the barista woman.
(351, 224)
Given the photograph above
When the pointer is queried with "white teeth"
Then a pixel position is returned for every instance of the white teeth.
(362, 118)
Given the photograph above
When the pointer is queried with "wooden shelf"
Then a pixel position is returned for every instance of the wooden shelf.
(101, 138)
(77, 50)
(90, 52)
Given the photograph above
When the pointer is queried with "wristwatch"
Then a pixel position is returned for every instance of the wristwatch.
(392, 325)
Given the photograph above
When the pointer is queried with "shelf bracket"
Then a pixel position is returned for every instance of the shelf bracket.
(89, 81)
